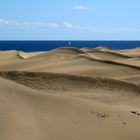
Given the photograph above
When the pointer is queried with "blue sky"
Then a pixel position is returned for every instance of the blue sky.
(69, 20)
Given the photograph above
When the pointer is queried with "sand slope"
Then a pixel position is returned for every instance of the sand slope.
(32, 115)
(134, 52)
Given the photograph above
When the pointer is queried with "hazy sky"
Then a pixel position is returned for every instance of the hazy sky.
(69, 19)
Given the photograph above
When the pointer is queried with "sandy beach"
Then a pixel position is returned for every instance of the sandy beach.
(70, 94)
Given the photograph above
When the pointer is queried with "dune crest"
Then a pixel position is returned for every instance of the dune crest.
(105, 48)
(25, 55)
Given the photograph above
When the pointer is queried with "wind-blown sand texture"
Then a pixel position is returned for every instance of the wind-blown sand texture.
(70, 94)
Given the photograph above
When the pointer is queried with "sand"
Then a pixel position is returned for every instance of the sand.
(70, 94)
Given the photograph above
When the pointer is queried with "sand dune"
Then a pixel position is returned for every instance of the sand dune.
(105, 48)
(25, 55)
(64, 52)
(9, 55)
(99, 48)
(66, 117)
(133, 79)
(70, 94)
(135, 52)
(36, 115)
(72, 61)
(87, 49)
(64, 82)
(131, 61)
(105, 55)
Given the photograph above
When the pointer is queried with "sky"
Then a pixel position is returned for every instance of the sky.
(69, 20)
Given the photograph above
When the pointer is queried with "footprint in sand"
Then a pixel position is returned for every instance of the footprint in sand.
(100, 115)
(135, 112)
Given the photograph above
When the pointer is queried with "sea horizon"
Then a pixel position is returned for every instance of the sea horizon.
(46, 45)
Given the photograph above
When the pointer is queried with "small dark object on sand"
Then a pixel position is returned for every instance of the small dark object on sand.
(135, 112)
(124, 123)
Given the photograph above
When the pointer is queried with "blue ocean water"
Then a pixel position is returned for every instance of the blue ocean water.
(30, 46)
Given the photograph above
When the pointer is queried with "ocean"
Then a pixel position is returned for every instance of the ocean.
(30, 46)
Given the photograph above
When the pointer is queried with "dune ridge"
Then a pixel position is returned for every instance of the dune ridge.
(26, 55)
(61, 82)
